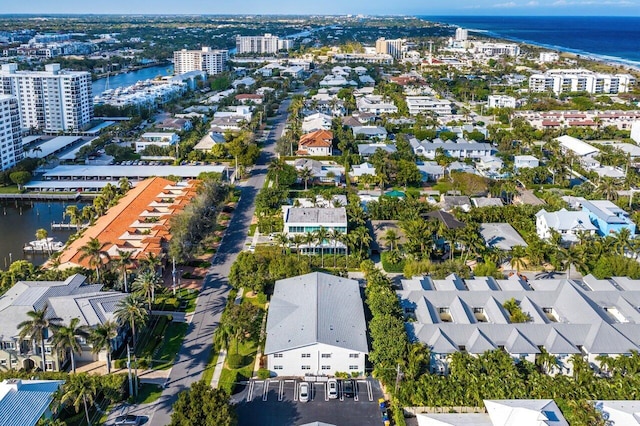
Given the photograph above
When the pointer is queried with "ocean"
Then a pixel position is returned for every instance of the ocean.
(614, 39)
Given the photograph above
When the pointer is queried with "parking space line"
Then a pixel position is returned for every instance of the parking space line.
(281, 390)
(250, 392)
(355, 394)
(326, 391)
(340, 390)
(265, 390)
(295, 391)
(369, 391)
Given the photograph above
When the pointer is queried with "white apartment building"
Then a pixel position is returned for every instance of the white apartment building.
(376, 104)
(422, 104)
(502, 101)
(210, 61)
(580, 80)
(53, 100)
(156, 138)
(461, 34)
(394, 47)
(546, 57)
(10, 138)
(261, 44)
(496, 49)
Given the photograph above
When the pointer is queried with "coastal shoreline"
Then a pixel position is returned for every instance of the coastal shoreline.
(613, 61)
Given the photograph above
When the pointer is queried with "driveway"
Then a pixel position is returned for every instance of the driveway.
(198, 343)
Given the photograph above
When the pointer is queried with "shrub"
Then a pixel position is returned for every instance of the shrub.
(229, 385)
(341, 375)
(391, 263)
(236, 361)
(264, 373)
(262, 298)
(120, 363)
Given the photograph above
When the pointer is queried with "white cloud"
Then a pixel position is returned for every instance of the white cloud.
(533, 3)
(505, 5)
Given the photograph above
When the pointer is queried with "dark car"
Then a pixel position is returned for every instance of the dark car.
(348, 388)
(128, 420)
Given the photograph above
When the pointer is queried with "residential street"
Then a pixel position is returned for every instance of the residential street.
(197, 346)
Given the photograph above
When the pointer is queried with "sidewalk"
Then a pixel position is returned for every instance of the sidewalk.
(217, 372)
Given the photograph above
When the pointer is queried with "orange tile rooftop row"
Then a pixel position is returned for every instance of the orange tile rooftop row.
(124, 226)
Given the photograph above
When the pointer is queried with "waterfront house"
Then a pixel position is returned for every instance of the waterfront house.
(316, 326)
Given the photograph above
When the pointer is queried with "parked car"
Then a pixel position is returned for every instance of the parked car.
(304, 392)
(128, 420)
(348, 388)
(332, 388)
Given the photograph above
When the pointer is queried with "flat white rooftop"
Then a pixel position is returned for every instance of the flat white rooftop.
(52, 146)
(80, 172)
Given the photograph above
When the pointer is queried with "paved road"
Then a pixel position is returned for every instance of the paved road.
(198, 343)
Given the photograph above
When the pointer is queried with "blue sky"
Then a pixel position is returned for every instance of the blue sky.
(381, 7)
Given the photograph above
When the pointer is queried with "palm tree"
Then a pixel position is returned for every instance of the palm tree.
(518, 255)
(74, 216)
(282, 240)
(305, 174)
(391, 237)
(335, 235)
(609, 188)
(125, 258)
(297, 241)
(151, 262)
(80, 389)
(68, 338)
(35, 327)
(101, 337)
(124, 185)
(309, 240)
(624, 241)
(145, 285)
(131, 310)
(321, 235)
(93, 251)
(275, 168)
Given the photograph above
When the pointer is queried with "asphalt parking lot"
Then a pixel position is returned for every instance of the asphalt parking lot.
(275, 402)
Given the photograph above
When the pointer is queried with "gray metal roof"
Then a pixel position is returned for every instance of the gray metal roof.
(316, 215)
(316, 308)
(501, 235)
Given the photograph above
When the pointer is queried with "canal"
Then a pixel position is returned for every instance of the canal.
(130, 78)
(19, 221)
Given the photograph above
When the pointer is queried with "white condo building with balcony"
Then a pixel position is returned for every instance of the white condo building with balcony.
(52, 100)
(580, 80)
(267, 43)
(210, 61)
(10, 135)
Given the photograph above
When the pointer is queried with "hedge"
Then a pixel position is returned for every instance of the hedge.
(390, 267)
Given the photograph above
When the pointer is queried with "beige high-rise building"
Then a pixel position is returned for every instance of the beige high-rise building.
(210, 61)
(10, 135)
(261, 44)
(52, 100)
(394, 47)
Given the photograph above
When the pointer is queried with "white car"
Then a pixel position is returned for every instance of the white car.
(303, 394)
(332, 388)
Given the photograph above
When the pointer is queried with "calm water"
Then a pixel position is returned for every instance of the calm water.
(18, 225)
(612, 38)
(130, 78)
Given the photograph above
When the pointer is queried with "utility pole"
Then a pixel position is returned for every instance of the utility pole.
(129, 368)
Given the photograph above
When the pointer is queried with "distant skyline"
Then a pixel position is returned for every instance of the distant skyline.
(329, 7)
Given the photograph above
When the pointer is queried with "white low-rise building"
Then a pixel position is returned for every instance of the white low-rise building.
(376, 104)
(316, 326)
(502, 101)
(428, 104)
(156, 138)
(580, 80)
(525, 161)
(585, 152)
(569, 224)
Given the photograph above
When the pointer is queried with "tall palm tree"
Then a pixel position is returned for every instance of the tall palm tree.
(297, 240)
(131, 310)
(74, 216)
(101, 337)
(309, 240)
(335, 235)
(609, 188)
(391, 237)
(321, 235)
(125, 258)
(518, 255)
(67, 338)
(151, 262)
(35, 327)
(275, 168)
(282, 240)
(305, 174)
(146, 285)
(124, 185)
(623, 241)
(93, 251)
(80, 389)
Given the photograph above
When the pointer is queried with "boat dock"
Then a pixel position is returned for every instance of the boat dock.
(63, 226)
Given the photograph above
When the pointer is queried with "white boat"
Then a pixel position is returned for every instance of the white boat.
(44, 245)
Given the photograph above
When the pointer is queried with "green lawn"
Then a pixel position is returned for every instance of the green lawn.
(171, 344)
(228, 377)
(252, 229)
(13, 189)
(207, 376)
(148, 393)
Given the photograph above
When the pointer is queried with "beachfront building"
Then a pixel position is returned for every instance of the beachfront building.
(10, 134)
(428, 104)
(261, 44)
(210, 61)
(546, 57)
(140, 223)
(588, 318)
(580, 80)
(495, 49)
(26, 402)
(72, 298)
(395, 47)
(569, 224)
(52, 100)
(316, 326)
